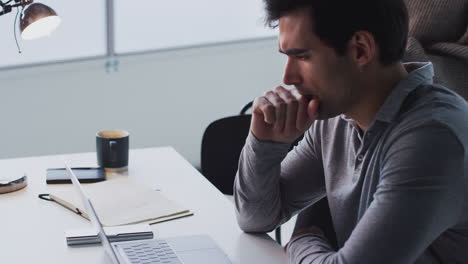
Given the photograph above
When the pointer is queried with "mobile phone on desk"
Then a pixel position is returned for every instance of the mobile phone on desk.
(84, 175)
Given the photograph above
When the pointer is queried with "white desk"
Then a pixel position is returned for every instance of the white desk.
(32, 230)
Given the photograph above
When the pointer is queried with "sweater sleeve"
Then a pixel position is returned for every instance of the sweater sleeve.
(272, 184)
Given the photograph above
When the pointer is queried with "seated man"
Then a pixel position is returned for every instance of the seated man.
(386, 146)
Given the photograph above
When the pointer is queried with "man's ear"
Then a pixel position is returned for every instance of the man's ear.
(363, 48)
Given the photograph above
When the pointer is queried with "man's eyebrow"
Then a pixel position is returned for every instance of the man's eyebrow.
(293, 51)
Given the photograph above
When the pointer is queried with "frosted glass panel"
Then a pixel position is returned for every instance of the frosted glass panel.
(157, 24)
(82, 33)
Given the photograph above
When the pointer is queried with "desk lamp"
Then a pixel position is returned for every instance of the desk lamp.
(36, 21)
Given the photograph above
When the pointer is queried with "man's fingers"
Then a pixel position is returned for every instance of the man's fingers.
(280, 109)
(302, 116)
(265, 108)
(312, 109)
(281, 115)
(291, 109)
(308, 114)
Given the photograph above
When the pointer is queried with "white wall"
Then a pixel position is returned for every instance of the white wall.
(165, 98)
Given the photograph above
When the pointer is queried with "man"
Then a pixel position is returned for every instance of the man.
(384, 144)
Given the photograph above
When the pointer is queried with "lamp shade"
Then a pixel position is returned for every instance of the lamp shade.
(38, 21)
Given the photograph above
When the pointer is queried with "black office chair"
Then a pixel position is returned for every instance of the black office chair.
(222, 144)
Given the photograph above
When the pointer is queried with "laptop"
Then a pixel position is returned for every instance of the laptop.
(196, 249)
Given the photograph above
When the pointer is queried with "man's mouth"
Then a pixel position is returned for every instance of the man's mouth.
(307, 96)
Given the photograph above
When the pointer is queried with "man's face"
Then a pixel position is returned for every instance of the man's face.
(314, 68)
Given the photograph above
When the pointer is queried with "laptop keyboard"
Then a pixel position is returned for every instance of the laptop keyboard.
(150, 251)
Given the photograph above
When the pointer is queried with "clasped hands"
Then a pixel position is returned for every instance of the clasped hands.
(282, 115)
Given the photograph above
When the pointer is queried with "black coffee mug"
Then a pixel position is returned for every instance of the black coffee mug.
(112, 148)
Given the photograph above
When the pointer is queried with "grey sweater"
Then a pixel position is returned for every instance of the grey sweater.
(397, 193)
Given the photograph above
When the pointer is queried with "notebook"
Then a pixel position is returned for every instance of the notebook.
(121, 202)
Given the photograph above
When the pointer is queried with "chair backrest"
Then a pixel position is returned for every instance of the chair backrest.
(438, 32)
(222, 143)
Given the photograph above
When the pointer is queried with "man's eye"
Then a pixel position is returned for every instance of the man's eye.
(302, 57)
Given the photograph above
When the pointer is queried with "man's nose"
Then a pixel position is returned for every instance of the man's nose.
(291, 76)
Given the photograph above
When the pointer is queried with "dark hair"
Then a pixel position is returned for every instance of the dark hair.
(336, 21)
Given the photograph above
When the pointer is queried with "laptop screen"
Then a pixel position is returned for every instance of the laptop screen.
(88, 206)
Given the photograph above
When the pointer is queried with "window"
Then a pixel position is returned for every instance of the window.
(138, 25)
(158, 24)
